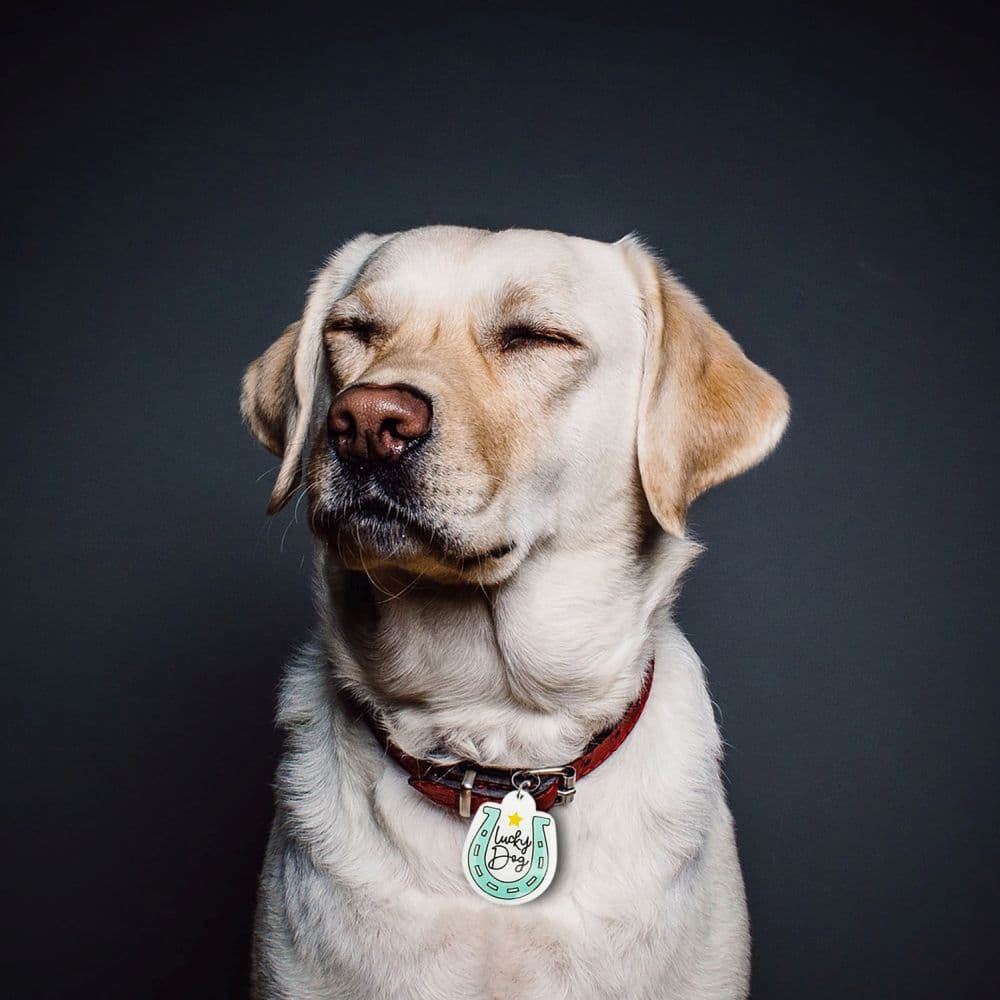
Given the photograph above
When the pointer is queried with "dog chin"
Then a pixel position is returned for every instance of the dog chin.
(363, 542)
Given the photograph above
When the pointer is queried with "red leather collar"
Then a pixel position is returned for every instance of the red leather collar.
(464, 786)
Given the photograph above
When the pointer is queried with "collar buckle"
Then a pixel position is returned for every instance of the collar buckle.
(529, 778)
(567, 786)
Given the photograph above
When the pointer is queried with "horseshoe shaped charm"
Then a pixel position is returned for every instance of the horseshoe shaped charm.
(510, 850)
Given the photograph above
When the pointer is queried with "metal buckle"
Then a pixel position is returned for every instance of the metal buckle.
(567, 786)
(567, 781)
(465, 795)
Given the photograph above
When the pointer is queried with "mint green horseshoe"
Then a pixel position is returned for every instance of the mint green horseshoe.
(527, 883)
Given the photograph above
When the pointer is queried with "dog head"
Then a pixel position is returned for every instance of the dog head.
(453, 399)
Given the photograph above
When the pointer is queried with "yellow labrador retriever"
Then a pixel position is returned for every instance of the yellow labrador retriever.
(498, 435)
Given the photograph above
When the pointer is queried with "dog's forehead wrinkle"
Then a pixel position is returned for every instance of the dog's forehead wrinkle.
(442, 267)
(412, 300)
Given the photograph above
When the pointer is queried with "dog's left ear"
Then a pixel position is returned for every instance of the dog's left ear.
(706, 411)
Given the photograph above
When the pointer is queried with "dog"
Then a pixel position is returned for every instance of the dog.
(498, 436)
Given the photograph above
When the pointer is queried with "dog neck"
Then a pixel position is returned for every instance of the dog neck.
(520, 674)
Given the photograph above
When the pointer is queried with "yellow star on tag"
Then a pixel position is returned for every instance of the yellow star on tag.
(515, 820)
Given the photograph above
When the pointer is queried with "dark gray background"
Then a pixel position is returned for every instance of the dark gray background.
(825, 179)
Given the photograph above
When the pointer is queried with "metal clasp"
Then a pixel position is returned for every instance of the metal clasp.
(465, 795)
(522, 780)
(567, 786)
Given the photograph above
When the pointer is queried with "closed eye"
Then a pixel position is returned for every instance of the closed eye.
(362, 330)
(521, 335)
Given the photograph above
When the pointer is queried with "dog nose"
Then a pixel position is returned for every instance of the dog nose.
(374, 424)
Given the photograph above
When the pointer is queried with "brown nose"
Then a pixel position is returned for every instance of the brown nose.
(374, 424)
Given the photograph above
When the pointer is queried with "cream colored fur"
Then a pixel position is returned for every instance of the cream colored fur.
(583, 454)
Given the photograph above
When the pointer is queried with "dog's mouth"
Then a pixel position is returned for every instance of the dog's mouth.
(397, 532)
(497, 553)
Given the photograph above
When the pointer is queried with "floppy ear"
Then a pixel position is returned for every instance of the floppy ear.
(268, 398)
(270, 408)
(283, 388)
(706, 412)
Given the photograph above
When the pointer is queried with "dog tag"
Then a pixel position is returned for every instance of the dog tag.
(510, 850)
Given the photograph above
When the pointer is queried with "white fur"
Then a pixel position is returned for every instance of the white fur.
(362, 893)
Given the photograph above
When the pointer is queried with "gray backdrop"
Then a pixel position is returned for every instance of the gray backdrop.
(824, 179)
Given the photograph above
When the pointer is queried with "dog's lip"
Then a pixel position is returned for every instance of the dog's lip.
(470, 560)
(465, 561)
(387, 510)
(499, 552)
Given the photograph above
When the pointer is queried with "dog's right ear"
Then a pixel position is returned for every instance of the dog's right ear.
(267, 401)
(270, 406)
(277, 408)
